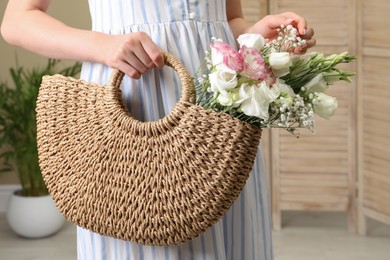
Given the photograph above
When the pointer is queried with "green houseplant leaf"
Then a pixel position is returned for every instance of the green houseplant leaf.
(18, 123)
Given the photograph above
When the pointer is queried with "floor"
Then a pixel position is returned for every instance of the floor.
(324, 236)
(305, 236)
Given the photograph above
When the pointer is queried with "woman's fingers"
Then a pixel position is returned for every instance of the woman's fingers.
(268, 25)
(309, 33)
(302, 49)
(310, 42)
(148, 52)
(133, 54)
(137, 63)
(153, 53)
(128, 70)
(298, 21)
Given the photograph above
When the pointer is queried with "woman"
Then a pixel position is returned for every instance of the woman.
(128, 35)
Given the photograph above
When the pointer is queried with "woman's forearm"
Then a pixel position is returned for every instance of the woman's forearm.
(239, 26)
(28, 26)
(235, 18)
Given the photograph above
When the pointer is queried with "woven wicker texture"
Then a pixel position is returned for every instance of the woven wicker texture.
(154, 183)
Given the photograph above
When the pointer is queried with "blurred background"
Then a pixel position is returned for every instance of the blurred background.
(330, 191)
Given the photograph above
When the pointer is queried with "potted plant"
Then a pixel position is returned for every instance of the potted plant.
(19, 151)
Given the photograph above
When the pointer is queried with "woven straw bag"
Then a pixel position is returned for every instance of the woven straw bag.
(153, 183)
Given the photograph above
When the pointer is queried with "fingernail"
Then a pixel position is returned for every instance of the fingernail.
(304, 31)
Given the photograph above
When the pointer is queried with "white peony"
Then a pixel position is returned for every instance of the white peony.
(222, 80)
(280, 63)
(255, 99)
(251, 40)
(325, 105)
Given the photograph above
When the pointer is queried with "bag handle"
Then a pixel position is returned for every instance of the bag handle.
(134, 126)
(188, 87)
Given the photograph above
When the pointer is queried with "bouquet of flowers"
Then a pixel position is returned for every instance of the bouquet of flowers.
(265, 84)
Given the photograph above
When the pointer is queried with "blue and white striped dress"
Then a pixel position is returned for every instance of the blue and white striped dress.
(183, 28)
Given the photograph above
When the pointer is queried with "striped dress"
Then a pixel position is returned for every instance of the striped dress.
(183, 28)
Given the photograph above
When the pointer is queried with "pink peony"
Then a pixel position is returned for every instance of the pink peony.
(224, 55)
(255, 67)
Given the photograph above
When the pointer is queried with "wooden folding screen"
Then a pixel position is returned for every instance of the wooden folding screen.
(318, 172)
(374, 111)
(348, 159)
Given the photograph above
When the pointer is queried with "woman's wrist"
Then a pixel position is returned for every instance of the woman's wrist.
(239, 26)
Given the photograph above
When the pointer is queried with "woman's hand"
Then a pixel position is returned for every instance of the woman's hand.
(268, 25)
(133, 53)
(26, 24)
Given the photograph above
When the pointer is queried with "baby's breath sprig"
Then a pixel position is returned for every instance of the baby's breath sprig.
(287, 39)
(291, 113)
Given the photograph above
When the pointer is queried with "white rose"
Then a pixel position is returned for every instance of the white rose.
(325, 105)
(251, 40)
(316, 84)
(223, 80)
(256, 99)
(280, 63)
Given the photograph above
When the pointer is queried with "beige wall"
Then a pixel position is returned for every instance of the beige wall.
(71, 12)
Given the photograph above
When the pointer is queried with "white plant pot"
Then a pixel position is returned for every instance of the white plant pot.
(34, 217)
